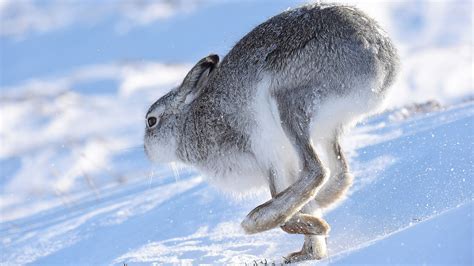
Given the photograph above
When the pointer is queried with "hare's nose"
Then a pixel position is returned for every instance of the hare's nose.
(151, 121)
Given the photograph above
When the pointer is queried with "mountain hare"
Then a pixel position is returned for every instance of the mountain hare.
(271, 114)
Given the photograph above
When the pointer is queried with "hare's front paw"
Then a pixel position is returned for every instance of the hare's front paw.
(314, 248)
(306, 225)
(264, 217)
(298, 257)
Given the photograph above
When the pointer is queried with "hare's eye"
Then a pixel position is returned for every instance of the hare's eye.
(151, 121)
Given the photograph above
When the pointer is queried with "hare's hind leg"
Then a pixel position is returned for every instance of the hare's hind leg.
(306, 222)
(340, 180)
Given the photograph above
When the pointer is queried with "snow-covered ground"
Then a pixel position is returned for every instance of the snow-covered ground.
(411, 203)
(76, 187)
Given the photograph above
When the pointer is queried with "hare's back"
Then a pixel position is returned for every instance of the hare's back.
(312, 44)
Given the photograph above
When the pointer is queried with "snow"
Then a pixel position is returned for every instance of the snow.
(76, 187)
(451, 244)
(409, 198)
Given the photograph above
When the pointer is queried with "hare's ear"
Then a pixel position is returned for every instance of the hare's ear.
(197, 77)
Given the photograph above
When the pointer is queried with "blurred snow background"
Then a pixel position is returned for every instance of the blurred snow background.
(77, 77)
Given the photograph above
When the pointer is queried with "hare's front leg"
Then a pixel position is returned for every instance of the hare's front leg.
(303, 223)
(284, 205)
(306, 222)
(287, 203)
(314, 246)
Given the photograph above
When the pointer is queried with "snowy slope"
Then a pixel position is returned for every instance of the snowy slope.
(407, 206)
(444, 239)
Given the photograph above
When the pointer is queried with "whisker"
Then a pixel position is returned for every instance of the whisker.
(176, 171)
(150, 178)
(138, 147)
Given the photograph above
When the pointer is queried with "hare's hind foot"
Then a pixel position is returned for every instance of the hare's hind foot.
(305, 224)
(334, 189)
(314, 248)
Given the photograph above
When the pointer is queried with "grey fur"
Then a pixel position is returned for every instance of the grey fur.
(310, 56)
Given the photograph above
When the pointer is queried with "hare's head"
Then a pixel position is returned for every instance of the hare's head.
(165, 115)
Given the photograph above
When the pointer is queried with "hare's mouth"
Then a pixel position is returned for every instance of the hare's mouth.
(156, 149)
(146, 149)
(148, 144)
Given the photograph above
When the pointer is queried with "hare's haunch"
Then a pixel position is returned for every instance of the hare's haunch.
(271, 113)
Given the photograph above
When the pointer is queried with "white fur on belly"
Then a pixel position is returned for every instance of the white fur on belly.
(270, 143)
